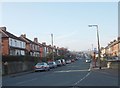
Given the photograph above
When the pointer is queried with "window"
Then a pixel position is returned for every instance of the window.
(10, 41)
(24, 44)
(22, 52)
(15, 43)
(31, 46)
(12, 52)
(38, 48)
(20, 44)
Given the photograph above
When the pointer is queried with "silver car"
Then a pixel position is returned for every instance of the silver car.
(41, 66)
(52, 64)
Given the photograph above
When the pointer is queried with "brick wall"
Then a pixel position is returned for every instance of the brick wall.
(115, 49)
(5, 46)
(28, 47)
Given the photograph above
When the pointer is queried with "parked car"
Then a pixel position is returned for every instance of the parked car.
(63, 62)
(116, 58)
(68, 61)
(87, 60)
(41, 66)
(58, 62)
(52, 64)
(72, 60)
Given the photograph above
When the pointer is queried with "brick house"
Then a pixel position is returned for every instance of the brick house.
(113, 48)
(118, 46)
(11, 44)
(43, 50)
(49, 49)
(32, 47)
(46, 51)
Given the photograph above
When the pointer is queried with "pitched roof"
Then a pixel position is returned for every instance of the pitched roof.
(28, 40)
(9, 35)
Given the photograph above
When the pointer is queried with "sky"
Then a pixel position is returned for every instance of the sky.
(67, 21)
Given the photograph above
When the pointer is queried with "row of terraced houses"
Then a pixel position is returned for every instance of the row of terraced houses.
(14, 48)
(13, 45)
(112, 49)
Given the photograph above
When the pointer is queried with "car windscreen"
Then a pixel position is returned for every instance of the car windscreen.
(40, 63)
(50, 63)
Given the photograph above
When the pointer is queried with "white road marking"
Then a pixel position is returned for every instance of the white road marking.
(82, 78)
(72, 70)
(19, 83)
(85, 75)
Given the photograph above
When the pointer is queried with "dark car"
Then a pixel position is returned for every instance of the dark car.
(87, 60)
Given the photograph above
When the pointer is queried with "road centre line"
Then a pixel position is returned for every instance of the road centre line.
(19, 83)
(82, 78)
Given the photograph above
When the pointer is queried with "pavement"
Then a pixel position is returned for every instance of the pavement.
(18, 74)
(111, 69)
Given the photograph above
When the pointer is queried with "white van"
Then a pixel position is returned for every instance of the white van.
(63, 62)
(58, 62)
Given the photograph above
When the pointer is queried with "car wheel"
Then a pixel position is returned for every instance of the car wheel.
(49, 69)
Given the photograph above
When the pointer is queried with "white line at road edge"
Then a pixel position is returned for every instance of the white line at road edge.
(82, 78)
(19, 83)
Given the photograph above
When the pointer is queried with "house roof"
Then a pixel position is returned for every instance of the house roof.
(29, 41)
(8, 34)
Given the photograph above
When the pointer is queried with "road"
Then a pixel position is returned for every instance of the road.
(77, 73)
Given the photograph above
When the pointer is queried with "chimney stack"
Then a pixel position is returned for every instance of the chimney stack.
(23, 35)
(3, 28)
(36, 40)
(44, 43)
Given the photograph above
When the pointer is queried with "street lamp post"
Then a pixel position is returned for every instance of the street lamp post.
(98, 44)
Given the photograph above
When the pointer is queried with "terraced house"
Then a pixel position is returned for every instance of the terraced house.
(32, 47)
(113, 48)
(11, 44)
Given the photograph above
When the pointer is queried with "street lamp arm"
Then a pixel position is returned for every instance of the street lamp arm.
(92, 25)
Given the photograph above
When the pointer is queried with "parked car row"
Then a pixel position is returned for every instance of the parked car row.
(52, 64)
